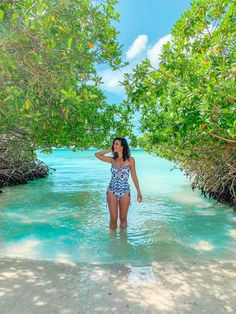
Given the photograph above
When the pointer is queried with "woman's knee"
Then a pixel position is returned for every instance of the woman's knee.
(123, 223)
(113, 219)
(123, 220)
(113, 225)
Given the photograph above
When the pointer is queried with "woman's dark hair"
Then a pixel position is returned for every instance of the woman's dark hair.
(126, 149)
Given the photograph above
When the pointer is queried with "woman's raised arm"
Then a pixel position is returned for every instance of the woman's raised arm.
(100, 155)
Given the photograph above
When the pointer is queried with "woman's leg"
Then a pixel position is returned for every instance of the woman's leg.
(113, 208)
(124, 203)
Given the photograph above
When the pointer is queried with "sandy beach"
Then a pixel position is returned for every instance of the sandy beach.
(31, 286)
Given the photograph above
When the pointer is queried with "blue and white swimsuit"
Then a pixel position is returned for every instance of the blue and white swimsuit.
(119, 181)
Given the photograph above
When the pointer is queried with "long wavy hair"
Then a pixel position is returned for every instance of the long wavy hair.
(126, 149)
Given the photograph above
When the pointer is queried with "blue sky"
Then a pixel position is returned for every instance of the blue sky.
(144, 27)
(154, 18)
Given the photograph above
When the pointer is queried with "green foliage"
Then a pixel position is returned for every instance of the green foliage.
(49, 85)
(188, 103)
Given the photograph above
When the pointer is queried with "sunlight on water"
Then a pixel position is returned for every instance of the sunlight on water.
(64, 217)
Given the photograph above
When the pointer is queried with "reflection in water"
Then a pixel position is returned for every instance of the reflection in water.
(118, 247)
(64, 217)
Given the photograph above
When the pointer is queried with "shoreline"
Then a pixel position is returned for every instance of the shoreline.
(33, 286)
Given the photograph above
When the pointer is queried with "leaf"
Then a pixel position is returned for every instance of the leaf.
(27, 104)
(91, 45)
(29, 116)
(52, 44)
(61, 28)
(225, 110)
(69, 43)
(1, 14)
(8, 98)
(63, 91)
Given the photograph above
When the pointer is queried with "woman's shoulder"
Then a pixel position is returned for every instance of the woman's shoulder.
(131, 160)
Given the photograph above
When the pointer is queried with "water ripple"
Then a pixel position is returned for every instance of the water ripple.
(64, 217)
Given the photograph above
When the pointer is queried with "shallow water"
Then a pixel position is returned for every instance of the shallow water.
(64, 217)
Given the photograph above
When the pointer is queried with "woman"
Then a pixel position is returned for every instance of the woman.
(118, 191)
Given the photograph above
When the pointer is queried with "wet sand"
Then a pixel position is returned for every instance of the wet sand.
(30, 286)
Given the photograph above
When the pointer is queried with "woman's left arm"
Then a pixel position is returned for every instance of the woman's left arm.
(135, 178)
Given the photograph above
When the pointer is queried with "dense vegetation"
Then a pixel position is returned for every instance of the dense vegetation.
(188, 103)
(50, 91)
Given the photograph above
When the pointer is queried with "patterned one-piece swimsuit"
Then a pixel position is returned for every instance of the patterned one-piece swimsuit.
(119, 184)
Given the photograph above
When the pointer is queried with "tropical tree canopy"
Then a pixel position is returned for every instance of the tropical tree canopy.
(50, 89)
(188, 102)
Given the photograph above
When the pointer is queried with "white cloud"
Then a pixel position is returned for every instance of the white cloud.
(111, 78)
(153, 53)
(138, 46)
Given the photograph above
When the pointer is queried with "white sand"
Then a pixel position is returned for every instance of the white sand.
(29, 286)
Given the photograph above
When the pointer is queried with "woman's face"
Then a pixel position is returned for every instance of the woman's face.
(117, 146)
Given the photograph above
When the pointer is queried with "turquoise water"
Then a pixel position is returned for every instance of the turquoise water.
(64, 217)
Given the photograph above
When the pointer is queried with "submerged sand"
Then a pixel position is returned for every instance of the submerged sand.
(30, 286)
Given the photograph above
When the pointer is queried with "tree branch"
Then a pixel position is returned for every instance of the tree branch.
(223, 138)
